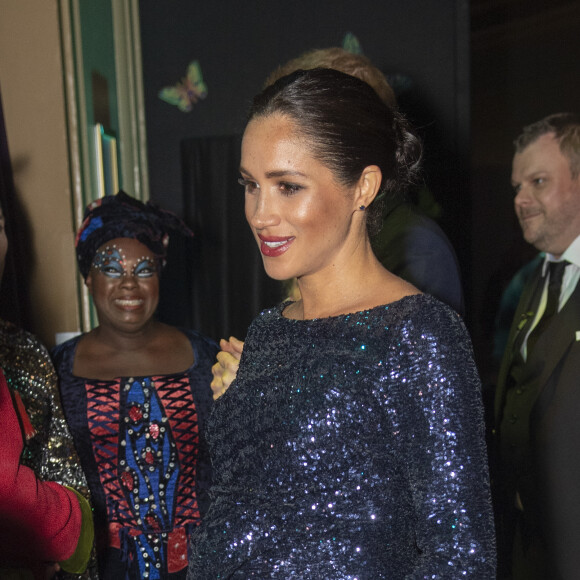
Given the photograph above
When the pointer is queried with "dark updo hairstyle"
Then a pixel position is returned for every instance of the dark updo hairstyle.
(348, 128)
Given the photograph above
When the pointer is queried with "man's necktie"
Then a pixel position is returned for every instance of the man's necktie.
(554, 288)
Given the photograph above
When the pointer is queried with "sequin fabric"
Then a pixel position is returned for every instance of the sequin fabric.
(350, 447)
(50, 452)
(28, 370)
(141, 445)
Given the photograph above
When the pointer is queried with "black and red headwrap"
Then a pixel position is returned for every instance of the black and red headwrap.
(122, 216)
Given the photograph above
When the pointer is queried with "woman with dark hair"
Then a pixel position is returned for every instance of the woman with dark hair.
(351, 443)
(136, 396)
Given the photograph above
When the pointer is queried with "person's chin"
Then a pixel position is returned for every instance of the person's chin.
(276, 271)
(135, 318)
(531, 237)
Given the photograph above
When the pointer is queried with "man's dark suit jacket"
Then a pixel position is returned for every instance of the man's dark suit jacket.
(539, 432)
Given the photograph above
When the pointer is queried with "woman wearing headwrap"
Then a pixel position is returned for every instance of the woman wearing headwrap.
(136, 396)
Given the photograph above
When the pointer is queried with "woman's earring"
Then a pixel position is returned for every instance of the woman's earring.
(362, 207)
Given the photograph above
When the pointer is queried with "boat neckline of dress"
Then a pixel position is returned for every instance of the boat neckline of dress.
(409, 297)
(122, 378)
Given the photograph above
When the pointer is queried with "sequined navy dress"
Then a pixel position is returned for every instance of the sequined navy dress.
(141, 445)
(350, 447)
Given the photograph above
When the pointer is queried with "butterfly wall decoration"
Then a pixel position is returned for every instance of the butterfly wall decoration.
(188, 91)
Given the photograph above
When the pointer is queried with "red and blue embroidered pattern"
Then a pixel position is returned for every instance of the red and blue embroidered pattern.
(142, 447)
(145, 438)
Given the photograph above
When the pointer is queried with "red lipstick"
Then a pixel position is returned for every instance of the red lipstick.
(273, 246)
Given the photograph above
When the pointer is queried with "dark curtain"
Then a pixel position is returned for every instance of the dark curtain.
(14, 295)
(215, 282)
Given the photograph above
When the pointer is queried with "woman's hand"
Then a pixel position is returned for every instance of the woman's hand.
(224, 371)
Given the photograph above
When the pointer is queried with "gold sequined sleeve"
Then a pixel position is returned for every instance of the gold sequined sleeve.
(29, 371)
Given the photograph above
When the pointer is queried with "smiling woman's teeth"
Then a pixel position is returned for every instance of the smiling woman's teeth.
(275, 244)
(129, 302)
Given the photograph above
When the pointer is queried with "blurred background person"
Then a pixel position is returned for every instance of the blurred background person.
(136, 396)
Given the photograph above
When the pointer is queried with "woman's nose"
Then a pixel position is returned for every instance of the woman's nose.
(129, 280)
(261, 211)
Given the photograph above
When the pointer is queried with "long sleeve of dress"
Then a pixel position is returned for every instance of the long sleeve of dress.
(50, 452)
(442, 435)
(42, 519)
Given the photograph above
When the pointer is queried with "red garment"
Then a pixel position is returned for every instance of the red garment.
(38, 520)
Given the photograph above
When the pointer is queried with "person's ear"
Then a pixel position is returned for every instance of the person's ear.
(89, 283)
(368, 187)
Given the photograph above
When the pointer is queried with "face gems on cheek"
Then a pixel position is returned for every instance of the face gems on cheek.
(110, 262)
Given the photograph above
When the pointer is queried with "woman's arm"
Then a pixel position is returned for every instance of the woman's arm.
(49, 521)
(447, 459)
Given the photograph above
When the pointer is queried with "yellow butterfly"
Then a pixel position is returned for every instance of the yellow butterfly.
(187, 92)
